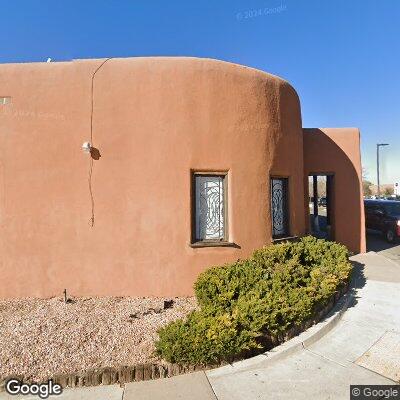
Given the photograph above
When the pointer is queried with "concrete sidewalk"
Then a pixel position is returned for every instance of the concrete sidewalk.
(361, 346)
(111, 392)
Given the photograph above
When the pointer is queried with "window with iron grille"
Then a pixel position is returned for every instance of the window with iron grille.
(209, 207)
(279, 207)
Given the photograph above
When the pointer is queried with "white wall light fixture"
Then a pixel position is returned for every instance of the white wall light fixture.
(86, 147)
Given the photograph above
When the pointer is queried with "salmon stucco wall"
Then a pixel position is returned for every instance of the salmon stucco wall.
(337, 151)
(154, 121)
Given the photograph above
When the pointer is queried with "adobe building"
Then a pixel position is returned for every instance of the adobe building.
(192, 163)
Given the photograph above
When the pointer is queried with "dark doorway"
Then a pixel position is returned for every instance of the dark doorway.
(320, 189)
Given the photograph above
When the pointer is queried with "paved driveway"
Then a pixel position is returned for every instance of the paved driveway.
(376, 242)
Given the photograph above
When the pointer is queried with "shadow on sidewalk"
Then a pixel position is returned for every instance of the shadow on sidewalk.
(358, 281)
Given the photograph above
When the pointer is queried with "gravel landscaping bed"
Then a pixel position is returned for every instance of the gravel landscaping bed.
(42, 338)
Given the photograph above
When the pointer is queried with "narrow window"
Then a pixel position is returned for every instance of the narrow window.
(279, 207)
(5, 100)
(209, 207)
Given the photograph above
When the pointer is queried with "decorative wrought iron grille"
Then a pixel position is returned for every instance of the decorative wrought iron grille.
(279, 207)
(209, 210)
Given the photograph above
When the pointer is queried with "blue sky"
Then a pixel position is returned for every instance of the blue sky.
(342, 56)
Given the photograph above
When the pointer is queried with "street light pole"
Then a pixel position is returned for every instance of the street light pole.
(377, 164)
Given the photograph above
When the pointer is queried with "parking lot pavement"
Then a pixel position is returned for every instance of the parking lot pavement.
(376, 242)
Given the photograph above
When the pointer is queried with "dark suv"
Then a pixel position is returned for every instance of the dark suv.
(384, 216)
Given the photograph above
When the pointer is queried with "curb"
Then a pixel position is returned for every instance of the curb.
(340, 308)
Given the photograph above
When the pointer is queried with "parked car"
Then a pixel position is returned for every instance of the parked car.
(383, 216)
(322, 202)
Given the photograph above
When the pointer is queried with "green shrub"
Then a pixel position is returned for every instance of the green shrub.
(221, 286)
(277, 288)
(205, 337)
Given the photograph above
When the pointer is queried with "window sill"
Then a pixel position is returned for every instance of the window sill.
(196, 245)
(285, 239)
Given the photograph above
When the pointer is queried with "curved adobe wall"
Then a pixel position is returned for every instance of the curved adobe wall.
(154, 120)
